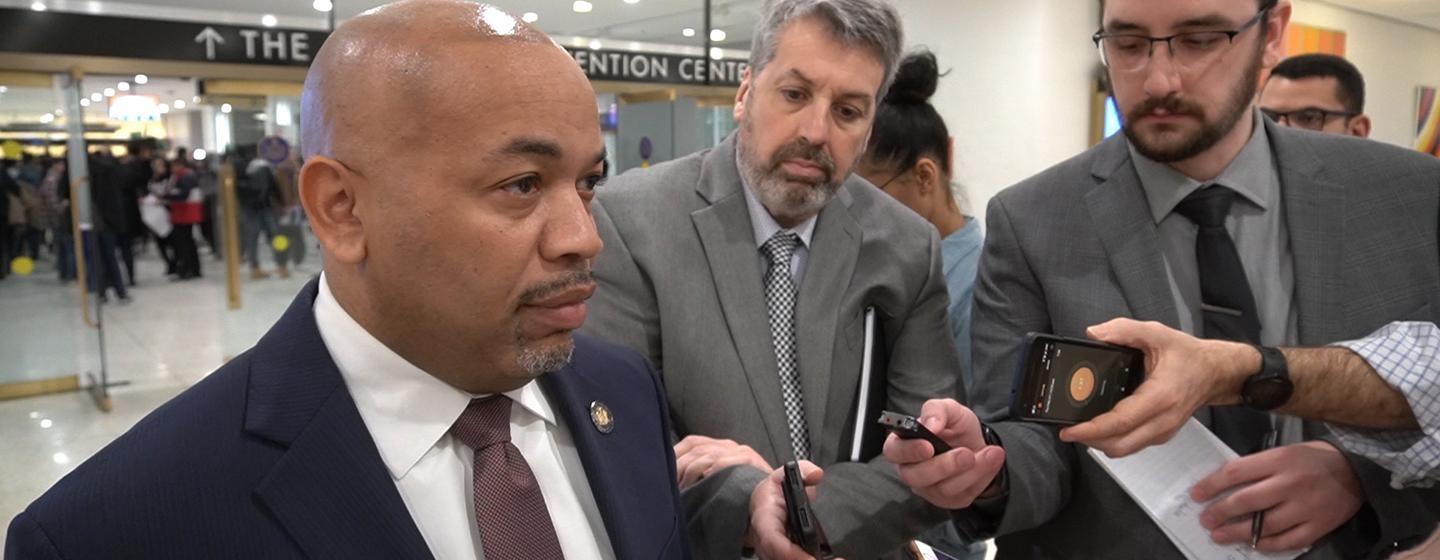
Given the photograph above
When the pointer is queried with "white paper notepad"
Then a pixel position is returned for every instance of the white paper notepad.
(1159, 478)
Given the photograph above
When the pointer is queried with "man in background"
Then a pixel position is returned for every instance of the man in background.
(1320, 92)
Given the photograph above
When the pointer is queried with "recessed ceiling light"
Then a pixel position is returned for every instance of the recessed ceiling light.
(716, 53)
(323, 5)
(109, 92)
(688, 32)
(225, 108)
(4, 89)
(37, 6)
(123, 86)
(595, 44)
(632, 1)
(163, 108)
(195, 99)
(268, 20)
(582, 7)
(84, 102)
(141, 79)
(96, 97)
(530, 17)
(179, 103)
(717, 35)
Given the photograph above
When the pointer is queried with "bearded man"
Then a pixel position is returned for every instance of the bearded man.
(744, 273)
(1212, 219)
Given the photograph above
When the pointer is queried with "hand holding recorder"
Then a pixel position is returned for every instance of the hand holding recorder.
(955, 478)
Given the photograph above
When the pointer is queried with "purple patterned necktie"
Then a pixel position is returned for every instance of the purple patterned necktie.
(508, 505)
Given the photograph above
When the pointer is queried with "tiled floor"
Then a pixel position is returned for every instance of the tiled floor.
(172, 335)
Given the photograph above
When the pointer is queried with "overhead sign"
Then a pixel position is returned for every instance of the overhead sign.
(52, 32)
(630, 66)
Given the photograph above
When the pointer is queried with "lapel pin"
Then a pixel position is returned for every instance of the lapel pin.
(601, 417)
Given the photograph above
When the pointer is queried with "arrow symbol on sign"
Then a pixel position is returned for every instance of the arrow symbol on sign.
(209, 36)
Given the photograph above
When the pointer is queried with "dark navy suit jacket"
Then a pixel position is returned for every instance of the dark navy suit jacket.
(268, 458)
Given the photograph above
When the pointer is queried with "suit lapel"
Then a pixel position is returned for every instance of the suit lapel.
(1315, 219)
(1122, 220)
(330, 489)
(729, 241)
(620, 491)
(833, 253)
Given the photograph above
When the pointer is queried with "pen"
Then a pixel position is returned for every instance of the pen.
(1257, 524)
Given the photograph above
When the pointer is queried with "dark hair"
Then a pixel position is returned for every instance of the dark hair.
(907, 127)
(1350, 84)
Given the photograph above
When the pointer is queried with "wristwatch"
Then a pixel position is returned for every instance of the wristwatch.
(1271, 387)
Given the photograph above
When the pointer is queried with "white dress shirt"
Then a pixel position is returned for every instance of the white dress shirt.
(409, 414)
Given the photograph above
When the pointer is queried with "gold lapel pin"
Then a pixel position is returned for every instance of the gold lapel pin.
(601, 417)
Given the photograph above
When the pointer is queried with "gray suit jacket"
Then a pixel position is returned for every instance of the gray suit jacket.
(680, 281)
(1075, 246)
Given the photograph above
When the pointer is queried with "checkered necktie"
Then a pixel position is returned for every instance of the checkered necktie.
(780, 300)
(508, 505)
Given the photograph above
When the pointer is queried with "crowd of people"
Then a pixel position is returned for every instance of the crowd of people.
(509, 355)
(143, 201)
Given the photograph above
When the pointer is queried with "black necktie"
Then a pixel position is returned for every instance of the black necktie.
(1226, 303)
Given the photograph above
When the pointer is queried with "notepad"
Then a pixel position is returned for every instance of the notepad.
(1159, 478)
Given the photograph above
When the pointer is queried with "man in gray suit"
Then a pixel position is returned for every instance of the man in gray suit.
(744, 273)
(1325, 238)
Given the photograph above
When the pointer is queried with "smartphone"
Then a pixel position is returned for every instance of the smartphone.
(800, 523)
(907, 427)
(1067, 381)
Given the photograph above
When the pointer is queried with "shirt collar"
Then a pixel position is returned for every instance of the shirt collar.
(406, 410)
(1251, 174)
(763, 223)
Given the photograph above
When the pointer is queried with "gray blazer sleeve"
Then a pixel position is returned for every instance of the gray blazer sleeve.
(1010, 302)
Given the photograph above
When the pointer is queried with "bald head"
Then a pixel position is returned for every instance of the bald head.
(381, 75)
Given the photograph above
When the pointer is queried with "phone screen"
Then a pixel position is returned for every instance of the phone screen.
(1068, 381)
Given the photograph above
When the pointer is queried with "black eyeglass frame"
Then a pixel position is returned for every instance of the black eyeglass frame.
(1325, 115)
(1230, 35)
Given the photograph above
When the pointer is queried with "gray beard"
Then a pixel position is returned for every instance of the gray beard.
(786, 200)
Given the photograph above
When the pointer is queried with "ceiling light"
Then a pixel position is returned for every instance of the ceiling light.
(4, 89)
(96, 97)
(179, 104)
(717, 35)
(60, 112)
(530, 17)
(163, 108)
(46, 118)
(262, 117)
(195, 99)
(268, 20)
(688, 32)
(123, 86)
(582, 7)
(323, 5)
(141, 79)
(84, 102)
(716, 53)
(109, 92)
(37, 6)
(199, 154)
(225, 108)
(632, 1)
(595, 44)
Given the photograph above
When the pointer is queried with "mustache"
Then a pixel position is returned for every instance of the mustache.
(566, 281)
(800, 149)
(1172, 104)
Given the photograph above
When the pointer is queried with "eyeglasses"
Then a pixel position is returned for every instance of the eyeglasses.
(1191, 50)
(1309, 118)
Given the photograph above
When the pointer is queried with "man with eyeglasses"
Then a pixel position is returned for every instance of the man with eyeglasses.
(1209, 218)
(1320, 92)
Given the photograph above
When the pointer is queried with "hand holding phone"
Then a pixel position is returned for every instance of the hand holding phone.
(1066, 381)
(802, 527)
